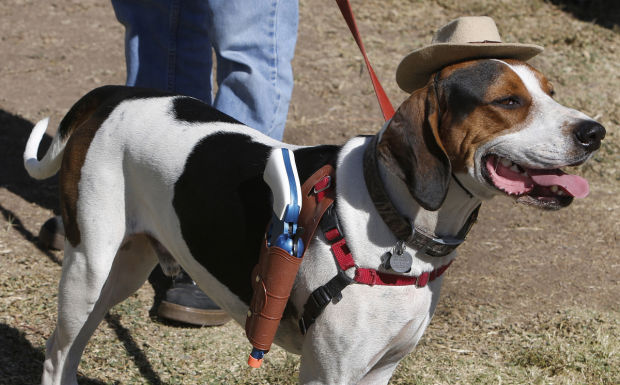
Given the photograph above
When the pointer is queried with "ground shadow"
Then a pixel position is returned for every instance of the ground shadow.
(18, 226)
(20, 362)
(605, 13)
(14, 132)
(138, 356)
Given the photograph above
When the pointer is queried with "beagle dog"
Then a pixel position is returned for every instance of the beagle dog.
(140, 169)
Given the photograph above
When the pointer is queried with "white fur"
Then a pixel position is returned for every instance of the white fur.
(50, 164)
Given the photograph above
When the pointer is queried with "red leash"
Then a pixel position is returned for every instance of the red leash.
(384, 101)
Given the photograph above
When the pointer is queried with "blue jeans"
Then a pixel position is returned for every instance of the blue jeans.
(169, 43)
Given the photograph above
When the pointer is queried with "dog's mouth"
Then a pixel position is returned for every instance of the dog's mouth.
(546, 188)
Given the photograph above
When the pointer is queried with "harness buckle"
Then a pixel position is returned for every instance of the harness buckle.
(323, 184)
(422, 279)
(302, 326)
(328, 223)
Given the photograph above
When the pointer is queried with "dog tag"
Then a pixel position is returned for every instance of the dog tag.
(401, 262)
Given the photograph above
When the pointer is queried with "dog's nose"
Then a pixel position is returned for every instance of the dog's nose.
(589, 134)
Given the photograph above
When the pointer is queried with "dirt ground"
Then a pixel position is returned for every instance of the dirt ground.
(518, 264)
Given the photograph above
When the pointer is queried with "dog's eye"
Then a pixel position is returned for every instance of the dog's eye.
(508, 102)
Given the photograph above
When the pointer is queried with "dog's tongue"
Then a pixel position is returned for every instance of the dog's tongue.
(572, 184)
(512, 182)
(516, 183)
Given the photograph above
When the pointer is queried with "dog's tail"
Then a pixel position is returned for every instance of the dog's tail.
(50, 164)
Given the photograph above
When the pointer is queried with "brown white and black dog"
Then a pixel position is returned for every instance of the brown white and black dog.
(141, 168)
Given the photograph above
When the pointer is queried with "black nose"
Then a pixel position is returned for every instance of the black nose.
(589, 134)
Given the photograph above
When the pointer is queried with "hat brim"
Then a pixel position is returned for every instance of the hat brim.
(415, 69)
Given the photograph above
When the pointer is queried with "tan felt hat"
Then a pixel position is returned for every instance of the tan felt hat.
(465, 38)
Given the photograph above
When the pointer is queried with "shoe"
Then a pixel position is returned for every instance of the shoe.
(185, 302)
(52, 234)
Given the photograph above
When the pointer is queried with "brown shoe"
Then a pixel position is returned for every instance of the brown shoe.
(52, 234)
(185, 302)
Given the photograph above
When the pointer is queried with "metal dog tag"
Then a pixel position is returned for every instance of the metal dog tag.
(401, 263)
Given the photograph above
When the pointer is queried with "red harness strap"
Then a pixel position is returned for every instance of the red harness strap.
(323, 295)
(371, 276)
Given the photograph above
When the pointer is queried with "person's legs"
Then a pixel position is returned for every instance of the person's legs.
(167, 45)
(254, 43)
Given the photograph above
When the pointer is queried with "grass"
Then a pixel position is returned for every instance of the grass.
(574, 346)
(464, 344)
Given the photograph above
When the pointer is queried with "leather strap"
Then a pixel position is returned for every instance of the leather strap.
(314, 203)
(384, 102)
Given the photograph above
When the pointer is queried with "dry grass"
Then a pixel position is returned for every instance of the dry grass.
(531, 300)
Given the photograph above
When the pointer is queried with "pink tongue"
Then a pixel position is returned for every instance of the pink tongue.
(512, 182)
(515, 183)
(572, 184)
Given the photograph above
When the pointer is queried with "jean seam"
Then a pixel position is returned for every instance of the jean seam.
(275, 68)
(172, 44)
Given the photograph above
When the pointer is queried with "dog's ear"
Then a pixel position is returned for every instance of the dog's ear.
(411, 149)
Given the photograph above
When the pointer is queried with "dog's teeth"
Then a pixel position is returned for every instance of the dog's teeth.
(560, 192)
(554, 188)
(506, 163)
(514, 168)
(524, 173)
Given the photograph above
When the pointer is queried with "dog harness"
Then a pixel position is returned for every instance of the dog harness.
(323, 194)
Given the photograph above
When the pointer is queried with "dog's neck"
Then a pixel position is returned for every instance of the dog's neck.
(447, 221)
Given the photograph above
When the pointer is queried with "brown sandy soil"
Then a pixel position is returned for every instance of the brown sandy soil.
(519, 261)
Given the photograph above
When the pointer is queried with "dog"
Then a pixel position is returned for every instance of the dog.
(143, 169)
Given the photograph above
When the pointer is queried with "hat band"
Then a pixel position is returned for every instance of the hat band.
(484, 42)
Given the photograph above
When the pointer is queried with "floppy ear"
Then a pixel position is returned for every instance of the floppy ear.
(410, 148)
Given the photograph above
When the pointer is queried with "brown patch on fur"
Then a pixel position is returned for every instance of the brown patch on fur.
(486, 117)
(71, 170)
(80, 125)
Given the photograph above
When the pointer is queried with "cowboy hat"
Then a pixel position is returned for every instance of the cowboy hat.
(466, 38)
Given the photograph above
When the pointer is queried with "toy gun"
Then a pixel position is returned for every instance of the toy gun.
(280, 256)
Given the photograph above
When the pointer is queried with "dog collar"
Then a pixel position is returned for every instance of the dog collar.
(400, 226)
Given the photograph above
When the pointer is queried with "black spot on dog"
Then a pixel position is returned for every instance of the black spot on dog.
(224, 205)
(194, 111)
(310, 159)
(100, 102)
(465, 89)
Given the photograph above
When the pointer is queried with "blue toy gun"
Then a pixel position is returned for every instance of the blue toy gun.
(273, 277)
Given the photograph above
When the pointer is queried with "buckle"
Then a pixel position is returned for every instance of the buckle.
(422, 279)
(319, 187)
(302, 326)
(373, 277)
(330, 222)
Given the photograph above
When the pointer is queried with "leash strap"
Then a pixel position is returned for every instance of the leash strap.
(384, 102)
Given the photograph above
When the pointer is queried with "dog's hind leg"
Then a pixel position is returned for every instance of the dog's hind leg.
(91, 284)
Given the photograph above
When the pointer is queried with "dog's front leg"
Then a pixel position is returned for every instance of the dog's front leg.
(362, 338)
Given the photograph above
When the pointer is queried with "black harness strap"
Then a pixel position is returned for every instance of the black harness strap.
(332, 290)
(321, 297)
